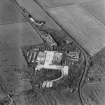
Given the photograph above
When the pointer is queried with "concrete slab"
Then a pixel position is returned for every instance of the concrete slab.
(9, 13)
(85, 28)
(96, 8)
